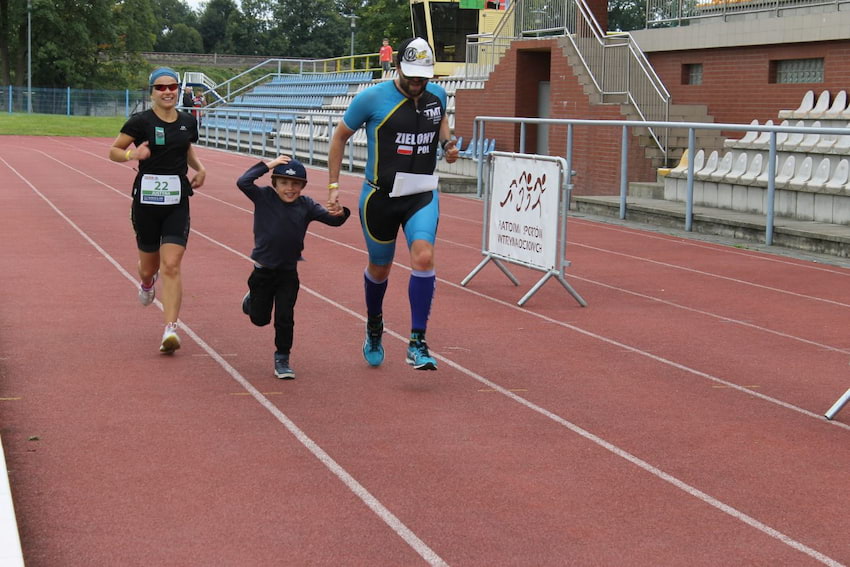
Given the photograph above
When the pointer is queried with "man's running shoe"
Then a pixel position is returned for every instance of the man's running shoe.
(417, 354)
(373, 350)
(246, 304)
(170, 340)
(281, 367)
(146, 294)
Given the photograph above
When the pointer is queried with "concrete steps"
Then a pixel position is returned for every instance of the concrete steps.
(677, 138)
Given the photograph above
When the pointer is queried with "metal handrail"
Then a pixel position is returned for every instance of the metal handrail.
(665, 13)
(615, 63)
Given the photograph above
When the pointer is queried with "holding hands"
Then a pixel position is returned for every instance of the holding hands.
(333, 205)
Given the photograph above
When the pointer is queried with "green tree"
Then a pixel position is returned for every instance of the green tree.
(171, 14)
(135, 24)
(216, 22)
(180, 39)
(380, 19)
(626, 15)
(318, 32)
(69, 38)
(265, 36)
(12, 40)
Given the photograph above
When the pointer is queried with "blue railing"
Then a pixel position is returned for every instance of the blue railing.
(73, 102)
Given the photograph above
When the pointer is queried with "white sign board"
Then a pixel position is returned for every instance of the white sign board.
(524, 210)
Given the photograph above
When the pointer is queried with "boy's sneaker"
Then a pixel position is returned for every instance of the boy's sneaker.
(373, 350)
(170, 340)
(246, 304)
(281, 367)
(146, 294)
(417, 354)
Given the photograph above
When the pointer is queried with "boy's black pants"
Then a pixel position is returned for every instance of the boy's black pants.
(278, 289)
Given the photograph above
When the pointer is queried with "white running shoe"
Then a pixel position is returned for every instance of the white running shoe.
(146, 295)
(170, 340)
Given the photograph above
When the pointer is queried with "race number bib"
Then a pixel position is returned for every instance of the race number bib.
(160, 189)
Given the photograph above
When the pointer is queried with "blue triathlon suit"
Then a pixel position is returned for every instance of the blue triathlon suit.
(402, 136)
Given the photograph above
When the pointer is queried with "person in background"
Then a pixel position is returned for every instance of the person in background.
(163, 139)
(386, 55)
(281, 217)
(405, 121)
(197, 104)
(187, 101)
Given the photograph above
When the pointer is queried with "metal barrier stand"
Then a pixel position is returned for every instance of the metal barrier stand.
(836, 407)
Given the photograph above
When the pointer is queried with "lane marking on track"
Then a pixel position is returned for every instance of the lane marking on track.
(647, 467)
(713, 275)
(722, 318)
(721, 248)
(590, 334)
(412, 540)
(249, 393)
(635, 350)
(344, 476)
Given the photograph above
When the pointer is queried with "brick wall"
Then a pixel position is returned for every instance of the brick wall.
(512, 91)
(736, 83)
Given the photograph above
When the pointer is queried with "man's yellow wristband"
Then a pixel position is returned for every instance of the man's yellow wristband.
(333, 185)
(127, 155)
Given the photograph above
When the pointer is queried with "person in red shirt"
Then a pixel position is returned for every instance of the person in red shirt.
(386, 55)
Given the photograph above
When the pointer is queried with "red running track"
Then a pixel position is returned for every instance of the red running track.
(677, 420)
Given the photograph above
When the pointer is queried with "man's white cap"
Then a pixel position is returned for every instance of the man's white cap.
(416, 58)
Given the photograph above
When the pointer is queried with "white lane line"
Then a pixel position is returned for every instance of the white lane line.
(692, 491)
(618, 344)
(713, 315)
(396, 525)
(624, 346)
(652, 470)
(683, 307)
(713, 275)
(719, 247)
(11, 554)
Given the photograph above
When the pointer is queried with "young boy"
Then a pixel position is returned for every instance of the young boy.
(281, 216)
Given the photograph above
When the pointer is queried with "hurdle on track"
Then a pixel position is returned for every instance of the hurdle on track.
(526, 198)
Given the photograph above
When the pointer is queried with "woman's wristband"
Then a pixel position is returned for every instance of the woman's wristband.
(333, 186)
(127, 155)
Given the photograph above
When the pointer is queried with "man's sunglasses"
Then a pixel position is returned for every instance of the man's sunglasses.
(171, 87)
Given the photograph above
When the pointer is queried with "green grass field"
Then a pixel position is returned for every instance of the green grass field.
(21, 124)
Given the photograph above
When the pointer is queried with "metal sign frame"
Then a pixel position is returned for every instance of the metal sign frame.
(557, 271)
(836, 407)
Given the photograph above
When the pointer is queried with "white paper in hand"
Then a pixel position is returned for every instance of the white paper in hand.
(412, 183)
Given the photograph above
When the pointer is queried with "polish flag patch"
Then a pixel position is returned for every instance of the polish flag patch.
(405, 150)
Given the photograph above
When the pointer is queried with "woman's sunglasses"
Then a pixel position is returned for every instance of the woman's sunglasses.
(171, 87)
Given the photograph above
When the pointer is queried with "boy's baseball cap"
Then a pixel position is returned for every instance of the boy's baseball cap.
(416, 58)
(294, 169)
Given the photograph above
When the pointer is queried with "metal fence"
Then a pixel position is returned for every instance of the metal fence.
(73, 102)
(771, 150)
(666, 13)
